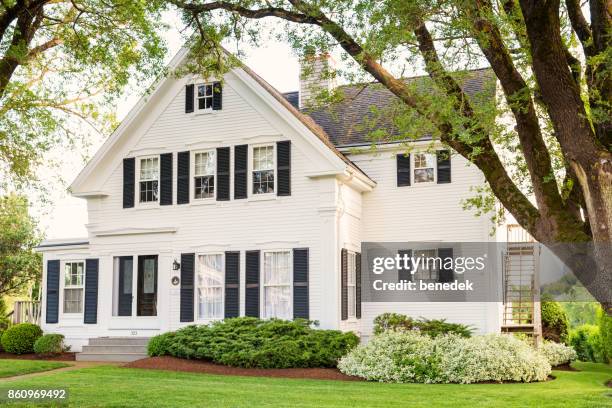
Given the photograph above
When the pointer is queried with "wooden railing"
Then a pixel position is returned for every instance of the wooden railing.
(26, 311)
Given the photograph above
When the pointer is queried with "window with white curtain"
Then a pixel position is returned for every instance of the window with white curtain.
(204, 175)
(74, 279)
(424, 164)
(210, 283)
(277, 285)
(351, 284)
(263, 169)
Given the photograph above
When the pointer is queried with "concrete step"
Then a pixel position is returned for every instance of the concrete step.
(118, 357)
(120, 341)
(115, 348)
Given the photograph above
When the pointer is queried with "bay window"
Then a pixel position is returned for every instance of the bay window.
(210, 284)
(277, 285)
(74, 279)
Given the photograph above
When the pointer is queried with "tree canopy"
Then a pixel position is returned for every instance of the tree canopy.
(550, 165)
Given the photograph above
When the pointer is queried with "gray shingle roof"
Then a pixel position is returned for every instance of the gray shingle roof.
(345, 121)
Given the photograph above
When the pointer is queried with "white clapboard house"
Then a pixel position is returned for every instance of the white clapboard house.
(216, 199)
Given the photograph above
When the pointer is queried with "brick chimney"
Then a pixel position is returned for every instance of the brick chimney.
(316, 75)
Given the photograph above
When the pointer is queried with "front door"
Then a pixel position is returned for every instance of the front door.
(147, 286)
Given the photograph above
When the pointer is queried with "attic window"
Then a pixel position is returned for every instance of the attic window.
(205, 97)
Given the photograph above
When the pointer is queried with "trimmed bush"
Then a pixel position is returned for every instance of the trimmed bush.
(20, 339)
(432, 328)
(605, 331)
(554, 322)
(557, 353)
(49, 345)
(408, 356)
(587, 342)
(158, 345)
(250, 342)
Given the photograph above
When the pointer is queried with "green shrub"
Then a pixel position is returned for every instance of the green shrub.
(554, 322)
(1, 333)
(432, 328)
(408, 356)
(4, 320)
(605, 331)
(587, 342)
(20, 339)
(557, 353)
(49, 344)
(158, 345)
(250, 342)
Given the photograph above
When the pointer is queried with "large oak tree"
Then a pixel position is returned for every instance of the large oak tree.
(552, 61)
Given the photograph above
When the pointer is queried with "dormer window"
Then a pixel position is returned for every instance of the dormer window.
(205, 97)
(148, 179)
(263, 169)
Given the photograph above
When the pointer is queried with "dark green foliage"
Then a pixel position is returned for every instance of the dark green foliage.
(587, 342)
(4, 320)
(1, 333)
(20, 339)
(432, 328)
(250, 342)
(554, 322)
(49, 344)
(605, 332)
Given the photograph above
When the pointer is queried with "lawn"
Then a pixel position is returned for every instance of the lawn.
(105, 386)
(9, 368)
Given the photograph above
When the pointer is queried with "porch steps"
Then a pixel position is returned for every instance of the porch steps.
(120, 349)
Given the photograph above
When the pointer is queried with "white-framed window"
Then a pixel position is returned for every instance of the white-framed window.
(263, 169)
(74, 286)
(277, 285)
(210, 284)
(351, 284)
(204, 174)
(204, 97)
(424, 168)
(148, 179)
(427, 270)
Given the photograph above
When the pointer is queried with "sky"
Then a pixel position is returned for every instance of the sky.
(68, 215)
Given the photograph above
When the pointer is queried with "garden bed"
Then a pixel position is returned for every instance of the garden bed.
(565, 367)
(198, 366)
(32, 356)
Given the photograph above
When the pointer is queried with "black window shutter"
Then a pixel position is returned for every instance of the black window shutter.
(241, 154)
(445, 274)
(129, 174)
(217, 96)
(182, 178)
(300, 284)
(90, 314)
(223, 173)
(165, 179)
(358, 285)
(343, 284)
(403, 170)
(53, 269)
(444, 166)
(403, 274)
(283, 163)
(232, 284)
(187, 292)
(189, 98)
(252, 284)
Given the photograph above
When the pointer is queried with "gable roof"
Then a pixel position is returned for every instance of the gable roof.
(344, 122)
(178, 59)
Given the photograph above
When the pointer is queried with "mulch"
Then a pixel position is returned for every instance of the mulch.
(565, 367)
(32, 356)
(197, 366)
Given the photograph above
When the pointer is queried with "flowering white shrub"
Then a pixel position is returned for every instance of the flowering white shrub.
(412, 357)
(557, 353)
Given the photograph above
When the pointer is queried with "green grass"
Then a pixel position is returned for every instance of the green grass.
(10, 368)
(105, 386)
